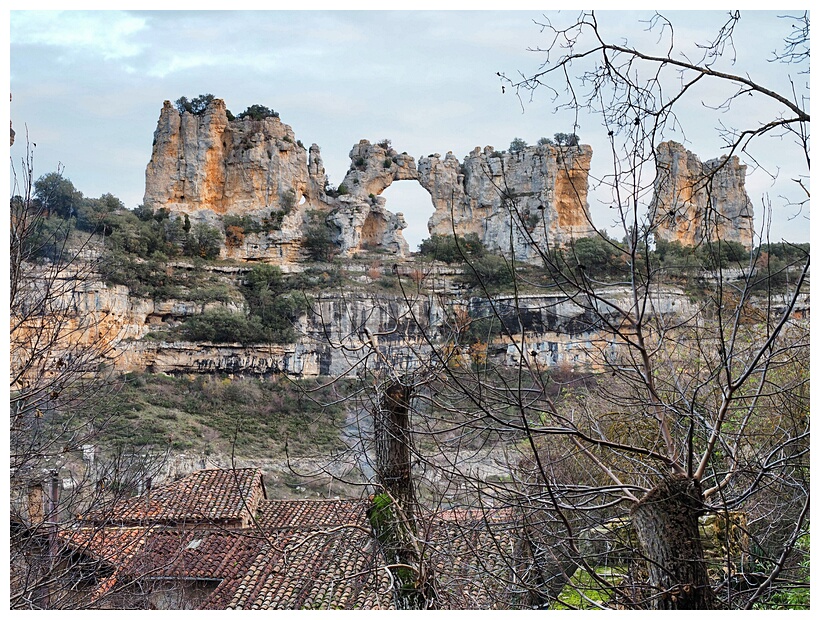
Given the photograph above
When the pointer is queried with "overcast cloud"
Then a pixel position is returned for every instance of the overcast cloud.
(88, 87)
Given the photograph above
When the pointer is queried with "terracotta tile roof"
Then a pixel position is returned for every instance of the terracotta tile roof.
(204, 497)
(292, 514)
(305, 568)
(323, 569)
(297, 554)
(112, 545)
(196, 554)
(470, 555)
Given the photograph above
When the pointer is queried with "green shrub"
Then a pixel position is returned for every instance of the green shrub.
(245, 222)
(567, 139)
(787, 252)
(221, 326)
(722, 254)
(270, 299)
(318, 277)
(288, 201)
(57, 195)
(257, 112)
(489, 270)
(318, 239)
(451, 249)
(517, 145)
(48, 238)
(197, 105)
(596, 254)
(203, 241)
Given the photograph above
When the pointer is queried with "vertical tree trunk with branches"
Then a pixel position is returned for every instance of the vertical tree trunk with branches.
(62, 354)
(666, 523)
(391, 425)
(393, 514)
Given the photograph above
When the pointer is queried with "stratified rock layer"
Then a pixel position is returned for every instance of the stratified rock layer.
(697, 201)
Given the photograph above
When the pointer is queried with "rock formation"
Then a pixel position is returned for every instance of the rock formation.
(697, 201)
(361, 219)
(537, 196)
(206, 163)
(206, 166)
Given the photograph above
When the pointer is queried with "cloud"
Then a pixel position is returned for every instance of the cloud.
(106, 34)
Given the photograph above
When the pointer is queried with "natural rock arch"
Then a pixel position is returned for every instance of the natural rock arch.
(411, 200)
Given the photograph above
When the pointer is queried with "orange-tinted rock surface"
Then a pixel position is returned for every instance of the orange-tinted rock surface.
(697, 201)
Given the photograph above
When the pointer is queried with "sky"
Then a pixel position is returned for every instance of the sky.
(87, 88)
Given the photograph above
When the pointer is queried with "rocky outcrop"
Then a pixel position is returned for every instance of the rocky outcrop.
(515, 202)
(697, 201)
(206, 167)
(375, 166)
(361, 217)
(536, 197)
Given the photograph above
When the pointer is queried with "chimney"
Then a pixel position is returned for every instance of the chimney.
(35, 502)
(53, 497)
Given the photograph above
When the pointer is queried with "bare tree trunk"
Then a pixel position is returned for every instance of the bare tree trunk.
(666, 523)
(392, 429)
(393, 512)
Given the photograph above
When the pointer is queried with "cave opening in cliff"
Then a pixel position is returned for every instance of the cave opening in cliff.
(411, 199)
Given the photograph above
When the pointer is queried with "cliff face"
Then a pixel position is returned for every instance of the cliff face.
(337, 333)
(535, 196)
(206, 166)
(696, 201)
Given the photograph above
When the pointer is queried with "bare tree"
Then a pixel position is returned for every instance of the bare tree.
(62, 354)
(703, 381)
(671, 472)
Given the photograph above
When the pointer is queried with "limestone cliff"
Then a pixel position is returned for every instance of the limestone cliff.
(539, 195)
(206, 163)
(338, 331)
(206, 166)
(696, 201)
(515, 202)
